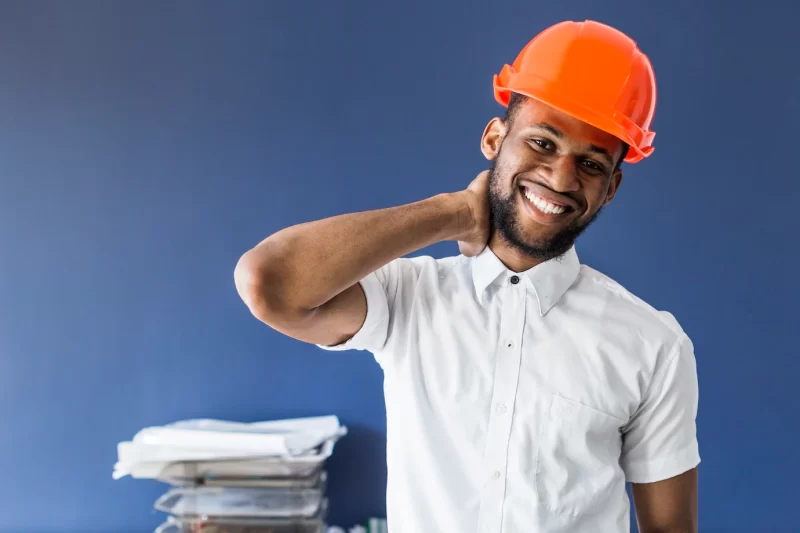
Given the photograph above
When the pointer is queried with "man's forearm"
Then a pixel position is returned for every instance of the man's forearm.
(305, 266)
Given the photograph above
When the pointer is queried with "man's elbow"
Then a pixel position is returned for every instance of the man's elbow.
(247, 281)
(262, 290)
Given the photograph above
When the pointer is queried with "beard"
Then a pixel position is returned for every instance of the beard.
(504, 218)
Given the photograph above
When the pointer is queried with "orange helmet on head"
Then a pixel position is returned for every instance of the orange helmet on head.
(592, 72)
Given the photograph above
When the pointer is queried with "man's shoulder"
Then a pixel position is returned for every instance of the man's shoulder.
(439, 265)
(623, 302)
(426, 275)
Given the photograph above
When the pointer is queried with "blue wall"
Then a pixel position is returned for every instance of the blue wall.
(145, 145)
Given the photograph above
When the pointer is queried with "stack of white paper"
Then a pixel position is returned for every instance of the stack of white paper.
(267, 476)
(159, 450)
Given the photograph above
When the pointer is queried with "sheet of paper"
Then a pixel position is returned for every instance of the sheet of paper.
(153, 451)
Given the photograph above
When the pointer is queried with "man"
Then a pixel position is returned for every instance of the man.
(522, 389)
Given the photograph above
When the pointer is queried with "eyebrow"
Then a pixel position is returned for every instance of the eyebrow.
(549, 128)
(601, 151)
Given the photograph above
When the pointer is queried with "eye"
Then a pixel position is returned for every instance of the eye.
(543, 144)
(588, 163)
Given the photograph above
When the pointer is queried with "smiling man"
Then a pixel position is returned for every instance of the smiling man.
(523, 389)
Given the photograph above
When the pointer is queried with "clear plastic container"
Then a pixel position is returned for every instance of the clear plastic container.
(299, 466)
(310, 482)
(250, 502)
(199, 526)
(315, 524)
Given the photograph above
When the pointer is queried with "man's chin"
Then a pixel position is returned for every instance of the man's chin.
(535, 248)
(545, 242)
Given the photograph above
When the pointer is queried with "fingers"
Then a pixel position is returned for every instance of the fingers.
(480, 182)
(470, 249)
(479, 205)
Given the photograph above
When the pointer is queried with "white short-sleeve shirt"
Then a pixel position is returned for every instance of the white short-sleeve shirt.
(522, 403)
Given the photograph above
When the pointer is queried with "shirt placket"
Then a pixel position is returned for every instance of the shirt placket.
(504, 392)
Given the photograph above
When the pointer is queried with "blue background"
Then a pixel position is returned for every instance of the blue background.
(145, 145)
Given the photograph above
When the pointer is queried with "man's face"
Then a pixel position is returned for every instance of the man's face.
(550, 176)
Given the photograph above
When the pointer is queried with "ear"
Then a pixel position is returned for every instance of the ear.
(613, 185)
(492, 138)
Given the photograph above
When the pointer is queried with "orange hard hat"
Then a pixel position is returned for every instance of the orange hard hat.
(592, 72)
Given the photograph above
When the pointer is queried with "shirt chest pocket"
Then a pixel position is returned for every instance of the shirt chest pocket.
(577, 463)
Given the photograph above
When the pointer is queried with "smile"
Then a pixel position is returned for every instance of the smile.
(543, 205)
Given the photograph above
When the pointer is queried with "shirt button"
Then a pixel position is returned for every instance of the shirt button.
(514, 280)
(496, 475)
(501, 408)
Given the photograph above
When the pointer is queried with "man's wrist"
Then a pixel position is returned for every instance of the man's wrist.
(459, 217)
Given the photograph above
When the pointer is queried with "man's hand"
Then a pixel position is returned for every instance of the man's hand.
(477, 229)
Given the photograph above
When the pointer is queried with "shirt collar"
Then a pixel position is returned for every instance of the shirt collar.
(550, 279)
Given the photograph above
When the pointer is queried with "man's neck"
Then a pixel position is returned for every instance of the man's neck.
(513, 258)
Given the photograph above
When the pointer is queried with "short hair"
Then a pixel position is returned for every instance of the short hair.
(515, 102)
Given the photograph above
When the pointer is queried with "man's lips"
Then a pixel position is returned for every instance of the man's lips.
(547, 199)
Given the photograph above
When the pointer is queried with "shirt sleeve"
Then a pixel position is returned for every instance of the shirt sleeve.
(660, 441)
(381, 289)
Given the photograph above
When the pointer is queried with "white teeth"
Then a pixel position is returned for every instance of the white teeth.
(543, 205)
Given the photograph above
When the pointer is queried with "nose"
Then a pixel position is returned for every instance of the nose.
(561, 174)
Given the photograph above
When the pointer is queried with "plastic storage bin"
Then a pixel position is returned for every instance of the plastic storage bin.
(314, 524)
(253, 502)
(310, 482)
(299, 466)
